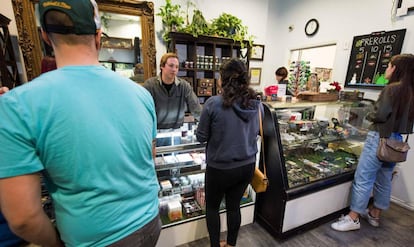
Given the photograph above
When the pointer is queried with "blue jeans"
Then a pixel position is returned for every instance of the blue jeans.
(372, 175)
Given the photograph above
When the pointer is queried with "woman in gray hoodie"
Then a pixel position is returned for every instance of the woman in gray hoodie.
(229, 123)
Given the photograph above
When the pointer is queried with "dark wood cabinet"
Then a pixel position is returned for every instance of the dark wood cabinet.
(201, 57)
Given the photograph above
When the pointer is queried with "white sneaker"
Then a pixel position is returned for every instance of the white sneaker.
(346, 223)
(375, 222)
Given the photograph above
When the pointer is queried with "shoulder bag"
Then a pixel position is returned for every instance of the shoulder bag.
(259, 180)
(390, 150)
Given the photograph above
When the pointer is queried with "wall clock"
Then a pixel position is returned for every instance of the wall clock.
(311, 27)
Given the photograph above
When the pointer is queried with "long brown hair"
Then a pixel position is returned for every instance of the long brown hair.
(404, 74)
(235, 82)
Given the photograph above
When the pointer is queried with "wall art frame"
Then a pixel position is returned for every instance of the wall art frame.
(257, 52)
(255, 75)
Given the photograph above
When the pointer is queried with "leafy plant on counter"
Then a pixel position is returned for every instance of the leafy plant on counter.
(171, 17)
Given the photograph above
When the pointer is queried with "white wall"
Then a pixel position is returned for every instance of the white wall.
(268, 20)
(403, 183)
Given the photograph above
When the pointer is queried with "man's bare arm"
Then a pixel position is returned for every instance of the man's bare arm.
(20, 202)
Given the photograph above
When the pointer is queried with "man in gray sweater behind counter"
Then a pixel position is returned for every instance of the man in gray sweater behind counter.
(172, 95)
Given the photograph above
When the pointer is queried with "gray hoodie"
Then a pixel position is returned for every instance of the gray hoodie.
(230, 133)
(170, 106)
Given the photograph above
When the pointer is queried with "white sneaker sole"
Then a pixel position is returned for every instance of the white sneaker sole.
(341, 229)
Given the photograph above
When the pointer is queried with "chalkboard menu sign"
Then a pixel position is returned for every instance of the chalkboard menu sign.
(370, 56)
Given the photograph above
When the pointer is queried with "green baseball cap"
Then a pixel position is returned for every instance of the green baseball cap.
(83, 13)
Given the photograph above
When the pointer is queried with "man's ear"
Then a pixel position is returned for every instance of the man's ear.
(98, 39)
(46, 38)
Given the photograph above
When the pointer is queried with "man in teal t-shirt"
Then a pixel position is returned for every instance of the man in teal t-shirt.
(7, 238)
(90, 132)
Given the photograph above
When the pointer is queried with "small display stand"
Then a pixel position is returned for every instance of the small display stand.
(298, 79)
(318, 97)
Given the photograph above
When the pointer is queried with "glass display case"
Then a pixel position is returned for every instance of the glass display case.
(321, 147)
(124, 69)
(180, 165)
(311, 152)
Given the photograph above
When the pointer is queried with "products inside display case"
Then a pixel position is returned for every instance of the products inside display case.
(182, 199)
(317, 146)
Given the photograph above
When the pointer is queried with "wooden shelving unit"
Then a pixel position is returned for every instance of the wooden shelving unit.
(201, 57)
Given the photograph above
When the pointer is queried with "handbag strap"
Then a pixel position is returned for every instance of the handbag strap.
(262, 141)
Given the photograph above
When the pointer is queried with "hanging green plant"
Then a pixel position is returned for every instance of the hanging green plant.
(172, 19)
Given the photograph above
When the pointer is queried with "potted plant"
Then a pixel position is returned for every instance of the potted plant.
(171, 17)
(334, 87)
(226, 25)
(198, 26)
(229, 26)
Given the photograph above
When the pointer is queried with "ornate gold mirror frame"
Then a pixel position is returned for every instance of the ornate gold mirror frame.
(29, 39)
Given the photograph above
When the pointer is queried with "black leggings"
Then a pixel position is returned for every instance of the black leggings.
(230, 183)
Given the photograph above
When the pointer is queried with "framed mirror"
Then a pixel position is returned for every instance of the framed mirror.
(30, 41)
